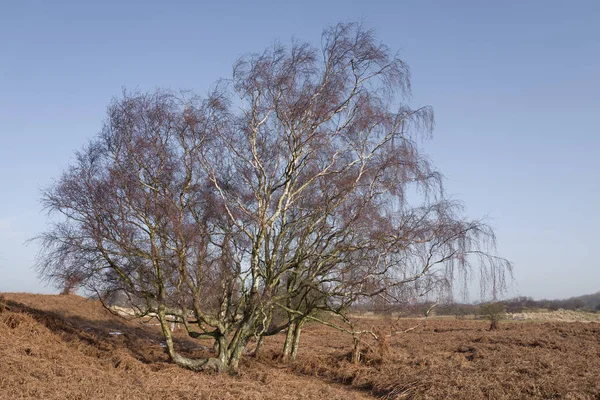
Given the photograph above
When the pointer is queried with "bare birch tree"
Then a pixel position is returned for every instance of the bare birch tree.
(295, 186)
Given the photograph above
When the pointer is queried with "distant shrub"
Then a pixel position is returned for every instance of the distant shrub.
(493, 312)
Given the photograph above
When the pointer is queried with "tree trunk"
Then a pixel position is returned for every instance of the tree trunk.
(220, 364)
(296, 340)
(236, 355)
(259, 345)
(287, 345)
(355, 351)
(261, 338)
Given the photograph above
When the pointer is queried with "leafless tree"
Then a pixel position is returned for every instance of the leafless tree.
(70, 284)
(295, 186)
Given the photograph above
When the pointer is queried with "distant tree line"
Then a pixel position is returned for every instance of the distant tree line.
(517, 304)
(523, 303)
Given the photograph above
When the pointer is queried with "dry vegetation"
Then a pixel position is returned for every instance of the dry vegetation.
(61, 347)
(556, 316)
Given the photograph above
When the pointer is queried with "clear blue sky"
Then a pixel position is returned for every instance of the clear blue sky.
(515, 86)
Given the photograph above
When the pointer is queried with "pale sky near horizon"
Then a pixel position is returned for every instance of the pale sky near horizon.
(515, 87)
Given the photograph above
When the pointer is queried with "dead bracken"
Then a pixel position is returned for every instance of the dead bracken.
(57, 346)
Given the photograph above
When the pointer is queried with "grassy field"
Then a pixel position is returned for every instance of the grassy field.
(67, 347)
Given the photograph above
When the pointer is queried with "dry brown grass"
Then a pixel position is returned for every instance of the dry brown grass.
(556, 316)
(454, 359)
(60, 347)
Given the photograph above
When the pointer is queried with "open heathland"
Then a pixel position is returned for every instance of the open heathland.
(69, 347)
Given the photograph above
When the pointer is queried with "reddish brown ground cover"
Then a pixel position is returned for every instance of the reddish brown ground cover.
(61, 347)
